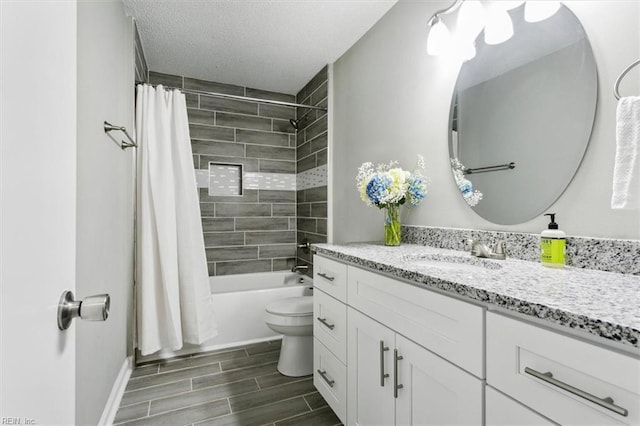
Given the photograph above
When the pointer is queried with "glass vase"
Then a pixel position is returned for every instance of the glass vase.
(392, 225)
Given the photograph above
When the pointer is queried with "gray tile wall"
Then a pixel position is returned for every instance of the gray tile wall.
(311, 151)
(255, 232)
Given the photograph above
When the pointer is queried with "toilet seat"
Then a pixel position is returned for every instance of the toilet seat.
(292, 306)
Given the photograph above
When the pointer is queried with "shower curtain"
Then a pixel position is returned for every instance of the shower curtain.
(173, 295)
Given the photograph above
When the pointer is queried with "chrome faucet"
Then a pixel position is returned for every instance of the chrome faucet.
(498, 251)
(299, 268)
(478, 249)
(482, 250)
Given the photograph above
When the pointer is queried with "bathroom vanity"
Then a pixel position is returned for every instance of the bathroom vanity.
(421, 335)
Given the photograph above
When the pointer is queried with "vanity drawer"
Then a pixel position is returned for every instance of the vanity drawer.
(451, 328)
(520, 356)
(330, 276)
(330, 324)
(330, 378)
(504, 411)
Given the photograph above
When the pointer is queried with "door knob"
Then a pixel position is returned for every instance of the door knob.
(91, 308)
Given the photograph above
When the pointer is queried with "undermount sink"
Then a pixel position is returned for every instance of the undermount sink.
(450, 262)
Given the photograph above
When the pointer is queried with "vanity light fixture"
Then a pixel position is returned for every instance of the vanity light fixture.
(472, 18)
(439, 38)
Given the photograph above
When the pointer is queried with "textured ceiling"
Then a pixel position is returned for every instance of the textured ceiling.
(276, 45)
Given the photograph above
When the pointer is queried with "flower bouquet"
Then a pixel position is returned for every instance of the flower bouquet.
(388, 187)
(470, 195)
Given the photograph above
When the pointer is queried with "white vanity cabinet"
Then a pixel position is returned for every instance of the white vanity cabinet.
(330, 333)
(567, 380)
(392, 380)
(398, 335)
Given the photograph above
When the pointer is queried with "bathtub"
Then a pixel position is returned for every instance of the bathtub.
(239, 302)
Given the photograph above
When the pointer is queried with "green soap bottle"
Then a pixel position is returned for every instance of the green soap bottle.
(552, 245)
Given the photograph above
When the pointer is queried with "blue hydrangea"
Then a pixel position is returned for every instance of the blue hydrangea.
(417, 189)
(466, 187)
(377, 187)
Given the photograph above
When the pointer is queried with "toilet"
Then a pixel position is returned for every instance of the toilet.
(293, 318)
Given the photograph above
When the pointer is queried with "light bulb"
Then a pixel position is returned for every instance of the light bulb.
(539, 10)
(439, 38)
(471, 20)
(499, 26)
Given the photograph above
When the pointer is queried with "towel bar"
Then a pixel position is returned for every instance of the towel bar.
(616, 86)
(108, 127)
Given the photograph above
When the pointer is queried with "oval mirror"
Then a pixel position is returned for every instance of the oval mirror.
(521, 117)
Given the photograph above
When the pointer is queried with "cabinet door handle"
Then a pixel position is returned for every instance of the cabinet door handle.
(396, 385)
(325, 276)
(324, 322)
(323, 374)
(602, 402)
(383, 375)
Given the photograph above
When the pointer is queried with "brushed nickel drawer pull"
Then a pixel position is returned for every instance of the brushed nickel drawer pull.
(602, 402)
(323, 374)
(396, 386)
(383, 375)
(325, 276)
(326, 324)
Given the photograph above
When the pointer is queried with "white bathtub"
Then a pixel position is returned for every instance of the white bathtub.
(239, 302)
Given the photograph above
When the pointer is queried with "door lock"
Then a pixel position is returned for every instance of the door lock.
(91, 308)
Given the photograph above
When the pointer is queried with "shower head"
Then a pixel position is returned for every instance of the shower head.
(296, 122)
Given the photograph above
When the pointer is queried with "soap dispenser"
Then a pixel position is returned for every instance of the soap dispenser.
(552, 245)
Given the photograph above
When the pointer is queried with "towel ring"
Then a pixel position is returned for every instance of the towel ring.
(616, 86)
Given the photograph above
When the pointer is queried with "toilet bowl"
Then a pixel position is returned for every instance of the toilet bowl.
(293, 318)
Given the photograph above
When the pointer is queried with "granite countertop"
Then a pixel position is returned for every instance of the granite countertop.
(604, 304)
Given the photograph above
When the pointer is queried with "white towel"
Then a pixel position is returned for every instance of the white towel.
(626, 171)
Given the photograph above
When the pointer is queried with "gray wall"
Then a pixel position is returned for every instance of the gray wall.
(311, 152)
(105, 191)
(254, 232)
(392, 102)
(493, 132)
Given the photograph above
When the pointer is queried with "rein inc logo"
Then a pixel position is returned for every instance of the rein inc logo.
(17, 421)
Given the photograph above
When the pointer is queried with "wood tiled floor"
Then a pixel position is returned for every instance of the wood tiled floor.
(237, 386)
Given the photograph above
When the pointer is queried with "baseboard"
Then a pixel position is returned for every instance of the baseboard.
(196, 349)
(113, 403)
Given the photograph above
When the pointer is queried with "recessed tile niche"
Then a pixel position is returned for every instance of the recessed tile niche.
(225, 179)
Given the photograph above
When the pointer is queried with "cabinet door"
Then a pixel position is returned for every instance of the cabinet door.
(434, 391)
(370, 394)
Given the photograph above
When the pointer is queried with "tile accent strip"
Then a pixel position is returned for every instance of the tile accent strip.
(611, 255)
(312, 178)
(274, 181)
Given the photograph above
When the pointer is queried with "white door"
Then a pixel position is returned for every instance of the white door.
(434, 391)
(37, 202)
(370, 350)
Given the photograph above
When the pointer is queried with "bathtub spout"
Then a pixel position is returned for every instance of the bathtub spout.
(299, 268)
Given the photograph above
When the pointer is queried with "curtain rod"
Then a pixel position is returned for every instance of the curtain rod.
(237, 97)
